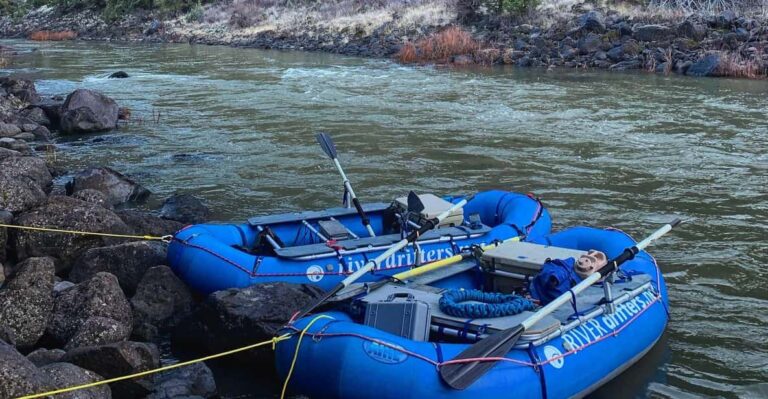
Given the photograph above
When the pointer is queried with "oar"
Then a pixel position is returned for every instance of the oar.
(413, 236)
(360, 288)
(462, 371)
(330, 149)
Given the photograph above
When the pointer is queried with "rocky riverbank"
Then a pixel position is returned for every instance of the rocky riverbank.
(582, 36)
(80, 308)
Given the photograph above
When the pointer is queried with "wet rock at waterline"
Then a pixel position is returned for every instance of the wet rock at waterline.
(161, 301)
(23, 89)
(117, 187)
(242, 316)
(87, 111)
(193, 381)
(118, 75)
(119, 359)
(707, 66)
(185, 208)
(65, 375)
(99, 297)
(18, 376)
(26, 301)
(128, 262)
(66, 213)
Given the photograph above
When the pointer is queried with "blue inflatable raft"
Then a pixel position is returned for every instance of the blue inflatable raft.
(322, 247)
(568, 354)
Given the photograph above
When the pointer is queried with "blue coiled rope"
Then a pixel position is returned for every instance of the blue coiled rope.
(476, 304)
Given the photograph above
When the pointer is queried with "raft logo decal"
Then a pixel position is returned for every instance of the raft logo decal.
(315, 273)
(384, 353)
(550, 352)
(402, 258)
(596, 328)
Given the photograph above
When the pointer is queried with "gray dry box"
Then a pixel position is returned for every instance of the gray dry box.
(400, 314)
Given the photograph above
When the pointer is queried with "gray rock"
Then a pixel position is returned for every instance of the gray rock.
(128, 262)
(118, 75)
(100, 296)
(589, 44)
(23, 89)
(93, 196)
(2, 275)
(616, 54)
(117, 187)
(62, 285)
(29, 127)
(191, 381)
(41, 357)
(707, 66)
(70, 214)
(18, 376)
(118, 359)
(8, 130)
(682, 67)
(144, 223)
(161, 300)
(653, 33)
(37, 115)
(239, 316)
(15, 145)
(30, 167)
(185, 208)
(65, 375)
(23, 182)
(725, 19)
(625, 65)
(86, 111)
(6, 217)
(26, 136)
(26, 301)
(42, 133)
(592, 21)
(99, 331)
(691, 30)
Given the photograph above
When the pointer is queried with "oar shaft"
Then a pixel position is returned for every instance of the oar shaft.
(612, 265)
(355, 201)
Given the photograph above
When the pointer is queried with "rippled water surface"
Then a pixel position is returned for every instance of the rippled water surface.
(235, 127)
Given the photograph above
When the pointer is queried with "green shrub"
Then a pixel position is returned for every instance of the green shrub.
(195, 14)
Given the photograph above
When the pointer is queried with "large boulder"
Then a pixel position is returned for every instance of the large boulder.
(36, 115)
(185, 208)
(118, 188)
(86, 111)
(707, 66)
(127, 261)
(193, 381)
(18, 376)
(66, 213)
(116, 360)
(99, 297)
(99, 331)
(592, 21)
(144, 223)
(65, 375)
(26, 301)
(23, 89)
(691, 30)
(242, 316)
(653, 33)
(9, 130)
(161, 301)
(23, 183)
(589, 43)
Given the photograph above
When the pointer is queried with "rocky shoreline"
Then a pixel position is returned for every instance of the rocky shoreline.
(76, 309)
(724, 44)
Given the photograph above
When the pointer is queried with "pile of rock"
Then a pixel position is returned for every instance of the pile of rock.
(76, 309)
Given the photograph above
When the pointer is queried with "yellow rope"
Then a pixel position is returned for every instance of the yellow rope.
(272, 341)
(167, 238)
(296, 353)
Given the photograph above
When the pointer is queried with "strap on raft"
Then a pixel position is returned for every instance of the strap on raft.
(483, 305)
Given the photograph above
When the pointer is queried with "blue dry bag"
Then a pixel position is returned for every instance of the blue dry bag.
(556, 277)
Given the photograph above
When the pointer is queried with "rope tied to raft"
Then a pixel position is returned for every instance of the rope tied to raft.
(476, 304)
(166, 238)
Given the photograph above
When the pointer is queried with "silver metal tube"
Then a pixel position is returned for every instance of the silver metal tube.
(271, 241)
(312, 229)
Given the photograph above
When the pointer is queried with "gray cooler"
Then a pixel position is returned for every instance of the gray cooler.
(400, 314)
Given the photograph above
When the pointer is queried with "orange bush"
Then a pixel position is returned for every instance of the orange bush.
(47, 35)
(438, 47)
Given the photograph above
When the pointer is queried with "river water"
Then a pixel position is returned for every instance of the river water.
(235, 127)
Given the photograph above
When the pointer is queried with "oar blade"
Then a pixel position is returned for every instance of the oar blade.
(462, 375)
(414, 203)
(326, 144)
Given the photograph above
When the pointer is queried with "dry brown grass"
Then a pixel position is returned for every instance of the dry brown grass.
(738, 66)
(47, 35)
(439, 47)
